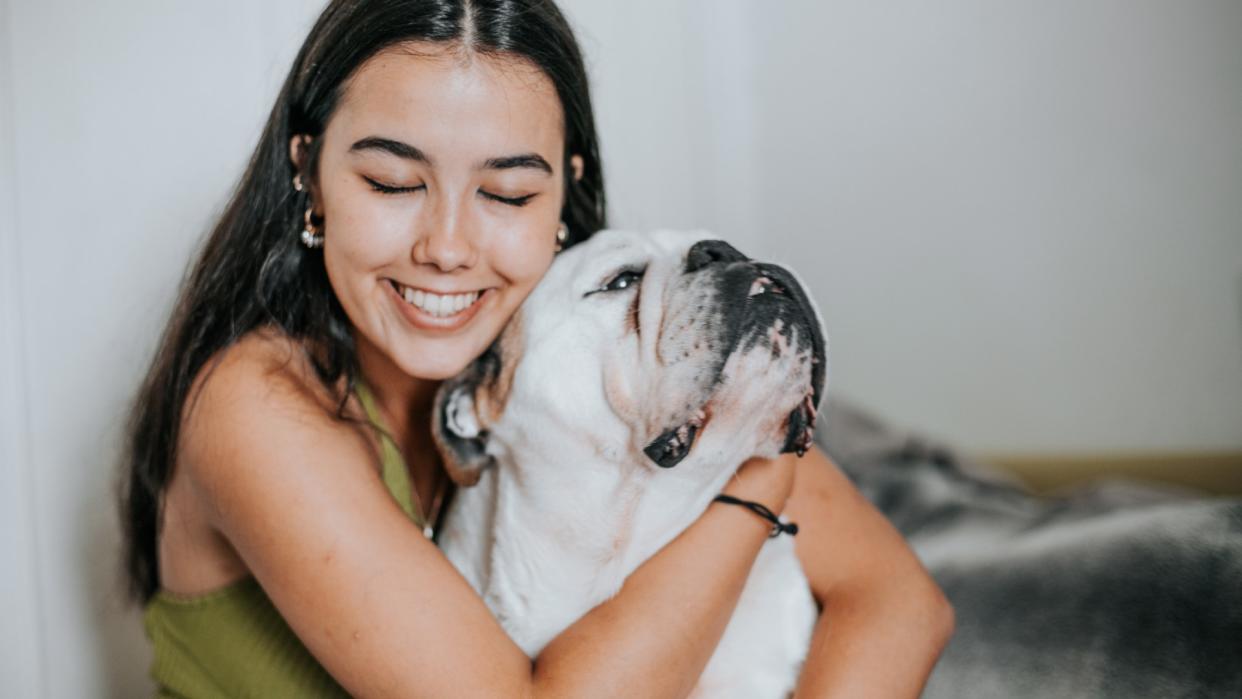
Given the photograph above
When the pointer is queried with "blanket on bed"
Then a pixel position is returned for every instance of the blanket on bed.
(1114, 590)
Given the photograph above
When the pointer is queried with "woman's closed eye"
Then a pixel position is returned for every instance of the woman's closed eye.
(395, 189)
(511, 201)
(391, 189)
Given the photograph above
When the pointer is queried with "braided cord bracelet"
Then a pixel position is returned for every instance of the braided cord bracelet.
(778, 527)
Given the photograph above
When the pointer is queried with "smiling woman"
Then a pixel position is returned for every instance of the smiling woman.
(423, 163)
(444, 205)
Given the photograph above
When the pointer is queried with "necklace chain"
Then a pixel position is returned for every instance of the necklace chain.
(437, 501)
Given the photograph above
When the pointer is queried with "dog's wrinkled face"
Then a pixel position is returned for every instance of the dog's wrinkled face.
(661, 348)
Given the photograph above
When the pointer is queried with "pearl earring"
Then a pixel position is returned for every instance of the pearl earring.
(562, 234)
(312, 237)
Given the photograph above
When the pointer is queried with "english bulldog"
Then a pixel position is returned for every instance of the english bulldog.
(633, 381)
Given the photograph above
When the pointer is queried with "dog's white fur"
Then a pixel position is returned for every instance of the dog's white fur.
(567, 504)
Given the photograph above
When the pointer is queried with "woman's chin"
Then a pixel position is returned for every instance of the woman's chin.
(437, 368)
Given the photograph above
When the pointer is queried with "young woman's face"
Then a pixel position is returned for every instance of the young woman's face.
(441, 184)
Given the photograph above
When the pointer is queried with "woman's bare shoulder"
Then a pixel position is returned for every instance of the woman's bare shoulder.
(251, 396)
(265, 365)
(259, 401)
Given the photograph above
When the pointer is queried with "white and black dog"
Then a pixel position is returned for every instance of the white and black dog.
(640, 372)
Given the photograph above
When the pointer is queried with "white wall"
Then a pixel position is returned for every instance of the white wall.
(1022, 220)
(673, 84)
(20, 602)
(131, 122)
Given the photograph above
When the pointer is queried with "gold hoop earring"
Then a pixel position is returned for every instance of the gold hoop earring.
(562, 234)
(312, 236)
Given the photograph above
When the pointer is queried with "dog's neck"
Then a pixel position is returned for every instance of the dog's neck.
(596, 518)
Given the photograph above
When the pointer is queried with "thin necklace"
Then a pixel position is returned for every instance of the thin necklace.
(437, 501)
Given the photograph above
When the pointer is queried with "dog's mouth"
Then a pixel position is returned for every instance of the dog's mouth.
(672, 447)
(668, 450)
(800, 433)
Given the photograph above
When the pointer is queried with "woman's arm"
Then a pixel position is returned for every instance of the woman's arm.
(884, 621)
(296, 494)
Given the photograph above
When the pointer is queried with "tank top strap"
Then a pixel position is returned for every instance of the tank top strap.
(393, 469)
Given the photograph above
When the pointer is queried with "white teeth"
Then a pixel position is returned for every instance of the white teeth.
(437, 305)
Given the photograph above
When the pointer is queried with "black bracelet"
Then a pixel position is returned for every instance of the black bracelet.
(778, 527)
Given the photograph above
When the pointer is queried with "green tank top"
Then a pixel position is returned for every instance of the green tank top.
(232, 642)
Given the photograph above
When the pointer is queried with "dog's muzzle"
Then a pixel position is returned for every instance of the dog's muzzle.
(753, 300)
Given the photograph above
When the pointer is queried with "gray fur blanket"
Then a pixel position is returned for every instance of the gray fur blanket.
(1115, 590)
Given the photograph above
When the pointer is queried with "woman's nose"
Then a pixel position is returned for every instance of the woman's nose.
(446, 242)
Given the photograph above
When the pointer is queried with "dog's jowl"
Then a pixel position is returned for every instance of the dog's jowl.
(639, 374)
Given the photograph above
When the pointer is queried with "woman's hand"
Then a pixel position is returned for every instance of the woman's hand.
(766, 481)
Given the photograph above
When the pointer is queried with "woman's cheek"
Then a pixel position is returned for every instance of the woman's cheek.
(524, 258)
(372, 238)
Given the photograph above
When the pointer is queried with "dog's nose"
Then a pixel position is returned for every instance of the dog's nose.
(706, 252)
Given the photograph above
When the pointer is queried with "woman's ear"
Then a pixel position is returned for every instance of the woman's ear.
(576, 163)
(297, 150)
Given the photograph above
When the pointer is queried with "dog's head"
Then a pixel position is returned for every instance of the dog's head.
(661, 348)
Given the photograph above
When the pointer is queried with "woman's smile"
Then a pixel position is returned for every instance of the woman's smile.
(442, 311)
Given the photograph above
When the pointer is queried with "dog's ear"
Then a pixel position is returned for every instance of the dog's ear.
(467, 404)
(458, 434)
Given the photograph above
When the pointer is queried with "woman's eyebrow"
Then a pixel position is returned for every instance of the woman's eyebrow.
(409, 152)
(530, 160)
(388, 145)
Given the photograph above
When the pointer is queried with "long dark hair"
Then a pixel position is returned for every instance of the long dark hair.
(253, 270)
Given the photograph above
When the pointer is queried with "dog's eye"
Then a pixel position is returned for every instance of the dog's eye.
(624, 280)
